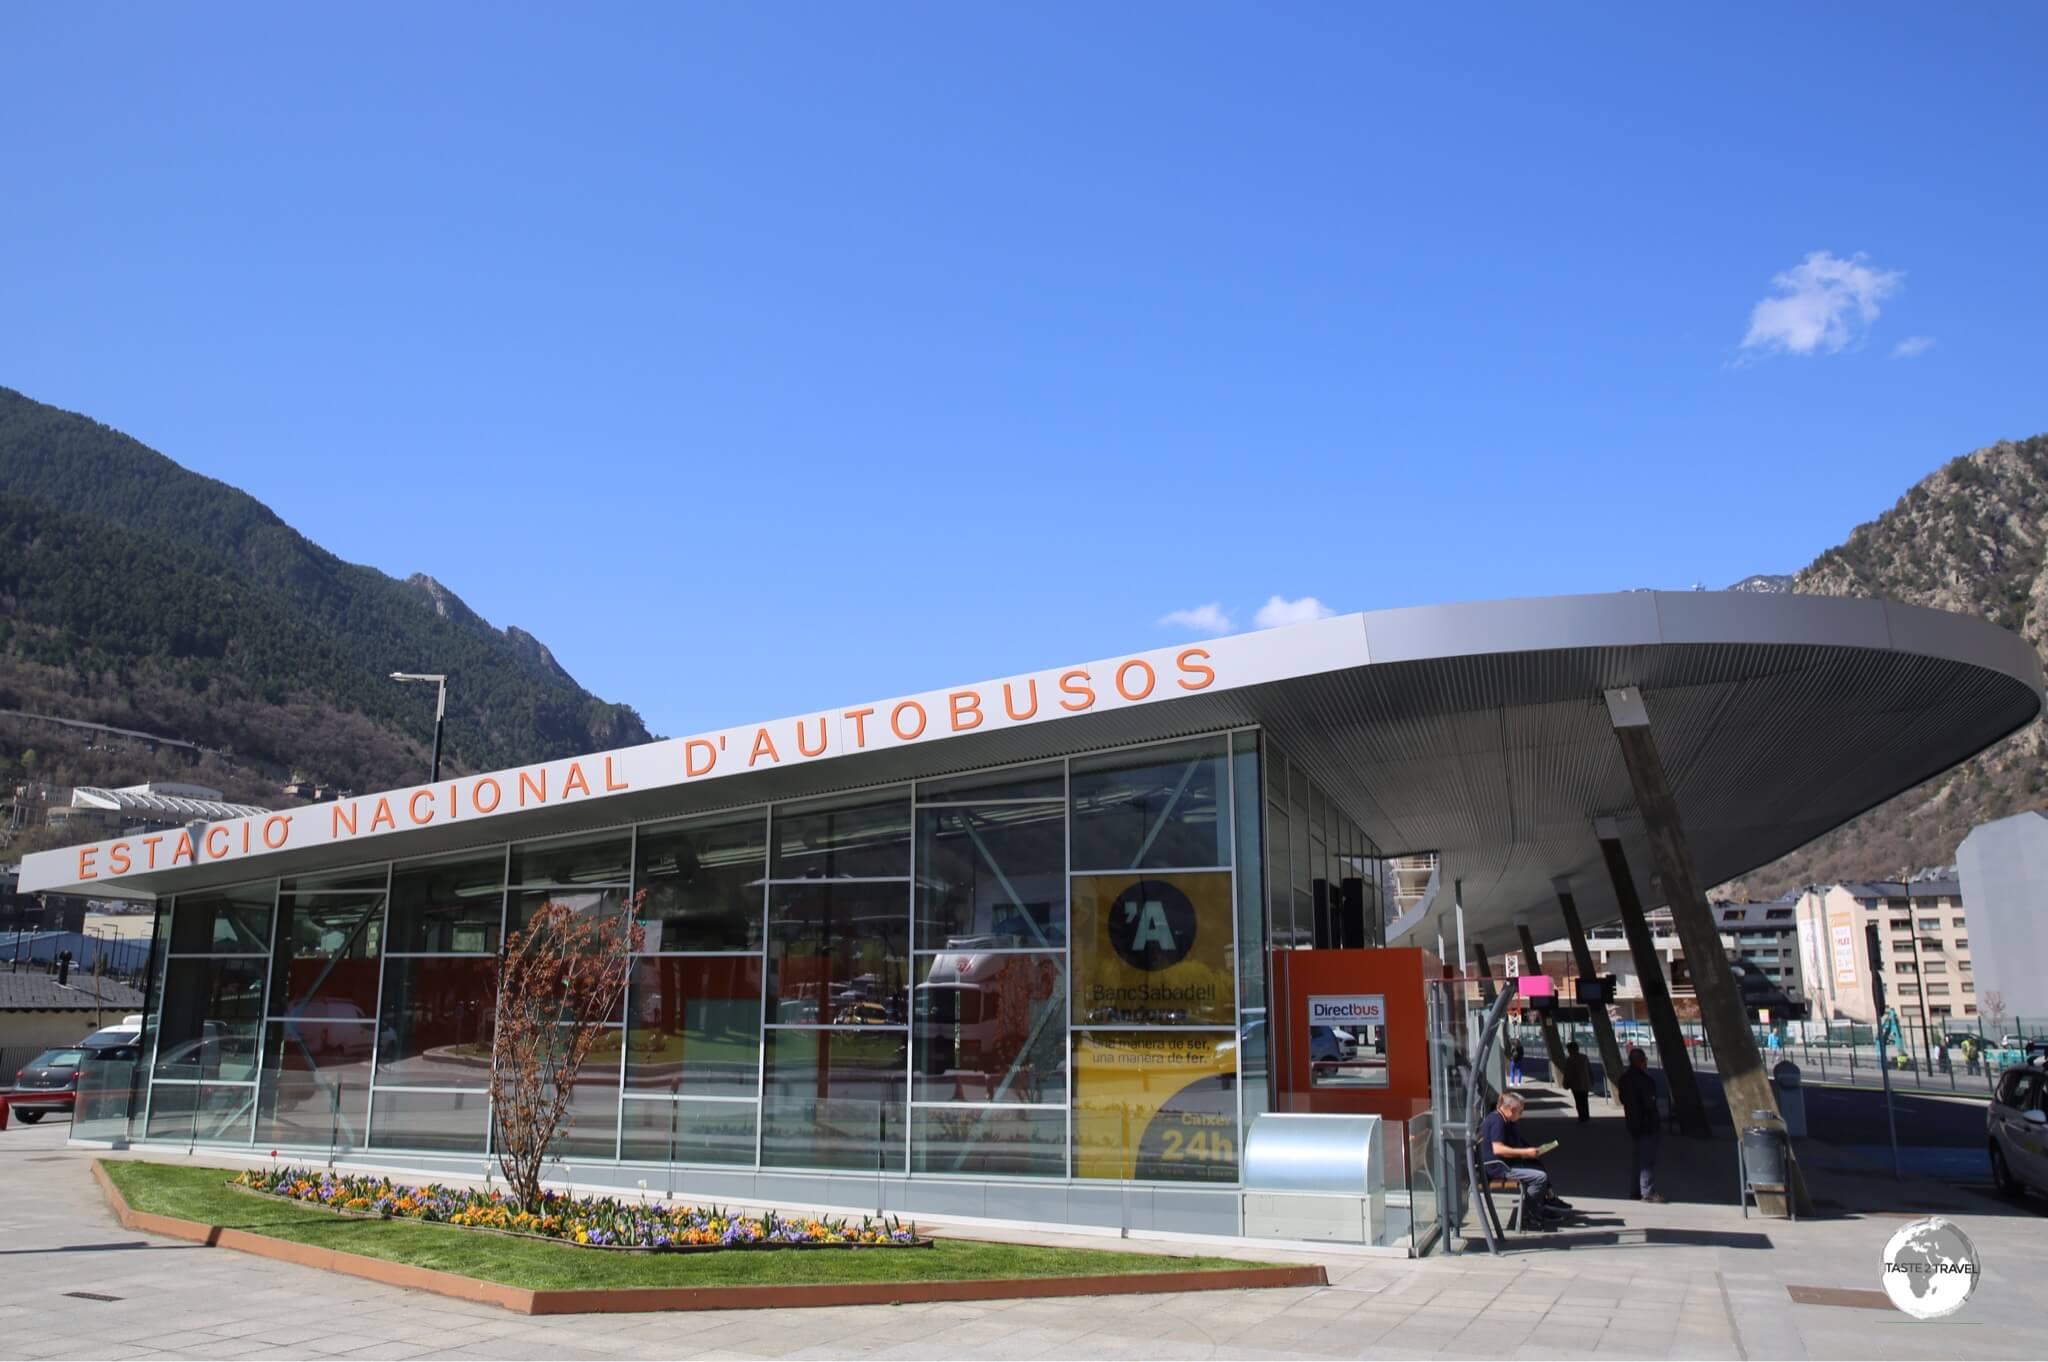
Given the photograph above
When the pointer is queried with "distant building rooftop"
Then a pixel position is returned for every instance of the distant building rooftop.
(163, 801)
(39, 992)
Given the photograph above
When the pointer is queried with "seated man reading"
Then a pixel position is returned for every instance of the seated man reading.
(1504, 1153)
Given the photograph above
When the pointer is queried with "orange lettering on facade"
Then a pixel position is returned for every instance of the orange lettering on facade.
(968, 715)
(575, 780)
(805, 747)
(1083, 693)
(412, 807)
(860, 725)
(214, 853)
(476, 795)
(692, 750)
(381, 815)
(764, 746)
(1123, 671)
(1010, 705)
(183, 847)
(149, 845)
(117, 858)
(86, 855)
(538, 787)
(611, 784)
(1188, 668)
(454, 808)
(279, 824)
(245, 836)
(896, 720)
(344, 817)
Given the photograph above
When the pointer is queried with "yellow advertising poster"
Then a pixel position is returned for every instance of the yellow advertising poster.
(1153, 949)
(1159, 1106)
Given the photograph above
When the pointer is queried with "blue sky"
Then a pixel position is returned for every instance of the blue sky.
(765, 357)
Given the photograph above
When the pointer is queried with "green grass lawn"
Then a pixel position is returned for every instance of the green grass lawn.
(202, 1194)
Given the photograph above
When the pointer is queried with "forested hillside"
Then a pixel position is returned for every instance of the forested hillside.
(136, 593)
(1971, 537)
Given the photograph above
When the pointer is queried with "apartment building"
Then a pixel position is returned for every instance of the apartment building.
(1923, 950)
(1761, 940)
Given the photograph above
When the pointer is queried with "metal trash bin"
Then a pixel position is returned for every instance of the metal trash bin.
(1764, 1160)
(1786, 1078)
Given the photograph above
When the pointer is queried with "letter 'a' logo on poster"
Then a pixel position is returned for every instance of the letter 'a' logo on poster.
(1152, 925)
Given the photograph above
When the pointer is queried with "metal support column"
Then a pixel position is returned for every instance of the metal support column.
(1485, 972)
(1678, 1075)
(1603, 1027)
(1744, 1080)
(1551, 1045)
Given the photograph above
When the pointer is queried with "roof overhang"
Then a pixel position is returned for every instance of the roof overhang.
(1477, 731)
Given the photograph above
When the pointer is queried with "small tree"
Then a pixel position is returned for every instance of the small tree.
(560, 980)
(1991, 1007)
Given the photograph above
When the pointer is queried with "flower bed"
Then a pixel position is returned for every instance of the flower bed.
(593, 1222)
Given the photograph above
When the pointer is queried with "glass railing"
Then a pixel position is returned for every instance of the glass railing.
(106, 1094)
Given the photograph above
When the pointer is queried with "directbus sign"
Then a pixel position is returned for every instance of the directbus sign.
(1091, 688)
(1348, 1009)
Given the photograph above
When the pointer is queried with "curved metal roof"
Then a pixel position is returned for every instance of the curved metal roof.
(1476, 731)
(161, 806)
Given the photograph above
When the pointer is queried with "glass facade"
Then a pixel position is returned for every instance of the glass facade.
(1050, 971)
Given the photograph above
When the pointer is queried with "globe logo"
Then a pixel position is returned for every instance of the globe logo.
(1930, 1268)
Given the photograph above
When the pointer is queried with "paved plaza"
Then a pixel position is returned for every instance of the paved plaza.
(1691, 1279)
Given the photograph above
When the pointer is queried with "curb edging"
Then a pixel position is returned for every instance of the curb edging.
(633, 1299)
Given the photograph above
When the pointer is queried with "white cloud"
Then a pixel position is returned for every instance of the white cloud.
(1279, 611)
(1823, 303)
(1203, 619)
(1911, 346)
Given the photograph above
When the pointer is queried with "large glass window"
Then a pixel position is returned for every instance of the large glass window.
(587, 874)
(212, 1019)
(1155, 1105)
(1152, 807)
(990, 1027)
(702, 884)
(224, 922)
(328, 944)
(457, 1122)
(316, 1083)
(991, 875)
(437, 1021)
(833, 1098)
(838, 954)
(661, 1130)
(858, 837)
(453, 906)
(996, 1141)
(694, 1026)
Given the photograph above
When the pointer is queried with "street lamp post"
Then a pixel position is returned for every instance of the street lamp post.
(440, 711)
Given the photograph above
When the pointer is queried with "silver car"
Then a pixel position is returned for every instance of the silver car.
(2017, 1128)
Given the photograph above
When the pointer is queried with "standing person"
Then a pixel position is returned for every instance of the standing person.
(1970, 1053)
(1639, 1105)
(1515, 1062)
(1578, 1076)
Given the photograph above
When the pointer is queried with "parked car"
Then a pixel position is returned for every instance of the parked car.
(2016, 1126)
(125, 1032)
(47, 1083)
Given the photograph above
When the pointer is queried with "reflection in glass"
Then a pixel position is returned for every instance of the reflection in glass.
(224, 921)
(1157, 1106)
(452, 905)
(695, 1025)
(1251, 934)
(991, 875)
(1044, 781)
(603, 858)
(593, 1132)
(663, 1131)
(702, 883)
(454, 1121)
(522, 904)
(437, 1020)
(327, 948)
(210, 1113)
(1152, 808)
(993, 1141)
(838, 954)
(212, 1009)
(316, 1084)
(990, 1028)
(858, 837)
(834, 1099)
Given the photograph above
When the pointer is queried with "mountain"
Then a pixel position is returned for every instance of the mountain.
(1765, 584)
(1971, 537)
(138, 594)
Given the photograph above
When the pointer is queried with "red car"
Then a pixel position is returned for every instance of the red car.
(47, 1083)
